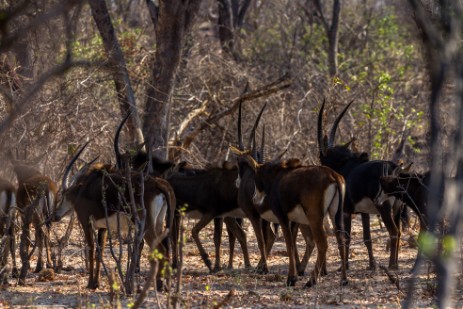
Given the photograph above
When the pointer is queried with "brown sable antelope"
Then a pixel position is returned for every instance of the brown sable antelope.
(7, 228)
(99, 197)
(364, 193)
(209, 194)
(304, 195)
(246, 186)
(36, 197)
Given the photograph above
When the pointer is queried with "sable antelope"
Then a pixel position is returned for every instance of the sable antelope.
(412, 189)
(363, 194)
(301, 194)
(36, 196)
(246, 187)
(7, 228)
(208, 193)
(97, 195)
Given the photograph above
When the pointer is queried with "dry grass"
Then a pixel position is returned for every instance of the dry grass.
(240, 287)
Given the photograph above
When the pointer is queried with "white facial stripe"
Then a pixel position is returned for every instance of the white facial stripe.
(63, 208)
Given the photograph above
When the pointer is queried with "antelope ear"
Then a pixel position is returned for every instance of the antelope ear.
(406, 169)
(253, 163)
(237, 151)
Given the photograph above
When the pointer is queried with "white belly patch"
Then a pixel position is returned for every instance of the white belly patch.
(116, 222)
(367, 206)
(235, 213)
(298, 215)
(269, 216)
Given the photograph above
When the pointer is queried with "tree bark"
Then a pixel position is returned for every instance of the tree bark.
(331, 33)
(174, 20)
(121, 77)
(441, 42)
(231, 18)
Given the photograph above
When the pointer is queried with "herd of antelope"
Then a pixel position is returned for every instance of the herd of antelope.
(270, 193)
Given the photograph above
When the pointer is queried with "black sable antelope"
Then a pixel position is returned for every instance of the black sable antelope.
(304, 195)
(36, 196)
(209, 194)
(265, 235)
(97, 194)
(7, 229)
(412, 189)
(364, 194)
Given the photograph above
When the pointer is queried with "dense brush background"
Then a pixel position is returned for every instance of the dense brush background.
(380, 68)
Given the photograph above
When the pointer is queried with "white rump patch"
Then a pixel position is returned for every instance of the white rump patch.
(235, 213)
(159, 211)
(331, 198)
(298, 215)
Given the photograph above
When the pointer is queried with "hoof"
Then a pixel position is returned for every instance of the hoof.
(216, 269)
(394, 267)
(291, 281)
(310, 283)
(372, 267)
(262, 270)
(159, 285)
(92, 285)
(22, 282)
(340, 268)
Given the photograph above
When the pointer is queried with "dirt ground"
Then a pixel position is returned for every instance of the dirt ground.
(243, 288)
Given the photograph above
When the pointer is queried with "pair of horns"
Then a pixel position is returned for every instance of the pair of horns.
(331, 137)
(252, 135)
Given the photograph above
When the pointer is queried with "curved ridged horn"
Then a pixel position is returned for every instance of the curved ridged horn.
(116, 141)
(262, 147)
(321, 144)
(256, 123)
(335, 126)
(65, 182)
(240, 135)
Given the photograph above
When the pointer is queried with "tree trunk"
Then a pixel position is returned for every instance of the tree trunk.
(174, 20)
(121, 77)
(331, 33)
(231, 17)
